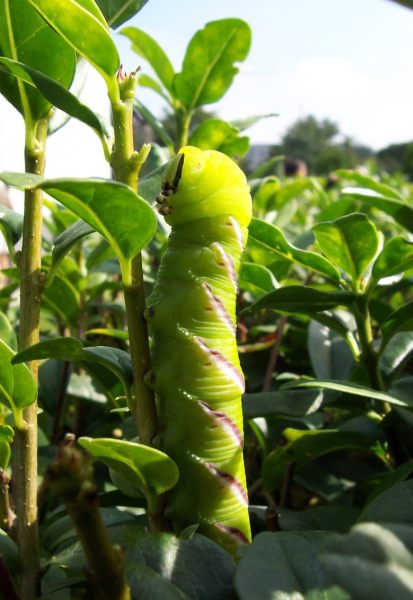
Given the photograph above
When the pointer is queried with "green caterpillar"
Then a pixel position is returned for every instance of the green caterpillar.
(198, 379)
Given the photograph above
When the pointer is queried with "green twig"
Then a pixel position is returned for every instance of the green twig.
(369, 357)
(126, 164)
(25, 445)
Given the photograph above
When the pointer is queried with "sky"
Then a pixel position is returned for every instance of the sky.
(346, 60)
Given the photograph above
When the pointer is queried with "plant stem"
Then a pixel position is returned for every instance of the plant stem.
(184, 121)
(71, 476)
(25, 448)
(126, 164)
(369, 356)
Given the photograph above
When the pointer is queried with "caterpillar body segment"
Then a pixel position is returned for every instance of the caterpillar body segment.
(198, 378)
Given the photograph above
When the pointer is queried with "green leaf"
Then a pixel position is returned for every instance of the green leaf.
(264, 197)
(345, 388)
(148, 82)
(71, 349)
(17, 386)
(144, 45)
(399, 320)
(265, 167)
(156, 125)
(401, 212)
(371, 562)
(299, 299)
(284, 565)
(61, 348)
(116, 360)
(365, 181)
(396, 352)
(208, 68)
(150, 185)
(65, 242)
(83, 26)
(166, 567)
(282, 402)
(122, 217)
(62, 298)
(117, 12)
(272, 238)
(303, 447)
(7, 333)
(118, 334)
(216, 134)
(247, 122)
(25, 37)
(351, 243)
(396, 257)
(6, 438)
(149, 469)
(393, 505)
(55, 93)
(330, 355)
(11, 225)
(256, 278)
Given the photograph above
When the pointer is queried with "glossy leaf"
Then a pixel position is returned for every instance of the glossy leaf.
(351, 243)
(216, 134)
(330, 355)
(304, 446)
(116, 360)
(150, 185)
(117, 12)
(299, 299)
(25, 37)
(366, 181)
(345, 388)
(396, 257)
(243, 124)
(118, 334)
(55, 93)
(65, 242)
(17, 387)
(372, 561)
(112, 209)
(399, 320)
(149, 469)
(83, 27)
(256, 278)
(122, 217)
(6, 438)
(144, 45)
(164, 566)
(401, 212)
(272, 238)
(11, 225)
(265, 167)
(71, 349)
(62, 298)
(208, 68)
(7, 333)
(392, 505)
(397, 350)
(294, 403)
(282, 565)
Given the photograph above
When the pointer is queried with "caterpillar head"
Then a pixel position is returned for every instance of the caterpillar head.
(203, 183)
